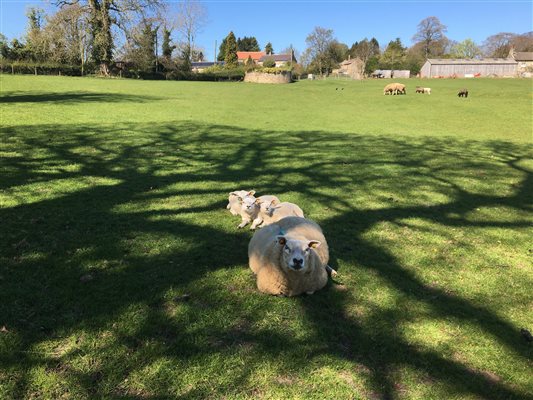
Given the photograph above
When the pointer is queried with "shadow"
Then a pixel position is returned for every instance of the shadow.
(121, 251)
(71, 97)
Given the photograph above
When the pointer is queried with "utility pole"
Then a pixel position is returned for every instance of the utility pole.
(215, 51)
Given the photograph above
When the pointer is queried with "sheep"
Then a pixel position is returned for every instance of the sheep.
(420, 89)
(399, 88)
(235, 200)
(289, 257)
(272, 211)
(250, 210)
(388, 89)
(463, 93)
(394, 88)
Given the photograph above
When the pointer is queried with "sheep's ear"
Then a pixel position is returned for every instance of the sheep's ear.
(281, 240)
(251, 193)
(274, 202)
(314, 244)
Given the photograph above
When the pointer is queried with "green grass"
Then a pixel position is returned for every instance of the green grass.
(112, 207)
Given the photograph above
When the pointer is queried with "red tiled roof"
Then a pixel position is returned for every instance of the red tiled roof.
(256, 55)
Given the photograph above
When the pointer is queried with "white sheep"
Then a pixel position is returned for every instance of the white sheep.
(251, 209)
(427, 90)
(235, 200)
(289, 257)
(274, 210)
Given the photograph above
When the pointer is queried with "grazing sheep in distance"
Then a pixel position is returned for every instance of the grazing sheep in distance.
(394, 88)
(234, 200)
(463, 93)
(289, 257)
(420, 89)
(272, 211)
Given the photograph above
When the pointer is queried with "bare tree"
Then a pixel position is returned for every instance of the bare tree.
(318, 42)
(191, 19)
(430, 32)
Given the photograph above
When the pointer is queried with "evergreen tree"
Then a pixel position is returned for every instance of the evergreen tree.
(166, 46)
(269, 49)
(231, 51)
(222, 50)
(248, 44)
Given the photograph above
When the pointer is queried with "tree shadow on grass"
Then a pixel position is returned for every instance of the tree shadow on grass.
(149, 225)
(72, 97)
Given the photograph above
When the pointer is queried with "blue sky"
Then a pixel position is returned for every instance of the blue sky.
(289, 22)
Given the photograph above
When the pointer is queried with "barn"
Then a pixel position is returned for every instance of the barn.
(444, 68)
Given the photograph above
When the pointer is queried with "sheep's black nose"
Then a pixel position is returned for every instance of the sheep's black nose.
(298, 261)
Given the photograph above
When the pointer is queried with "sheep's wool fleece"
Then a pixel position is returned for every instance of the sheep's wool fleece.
(265, 257)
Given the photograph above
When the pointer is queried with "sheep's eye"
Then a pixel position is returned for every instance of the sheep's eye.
(287, 249)
(307, 249)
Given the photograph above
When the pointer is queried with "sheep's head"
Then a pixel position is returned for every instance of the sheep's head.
(249, 204)
(269, 206)
(296, 253)
(236, 197)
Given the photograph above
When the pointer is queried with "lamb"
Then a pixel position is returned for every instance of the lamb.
(289, 257)
(272, 211)
(420, 89)
(235, 200)
(250, 210)
(463, 93)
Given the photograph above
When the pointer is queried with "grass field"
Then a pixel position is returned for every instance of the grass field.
(112, 210)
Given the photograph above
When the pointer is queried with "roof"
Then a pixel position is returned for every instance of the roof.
(523, 56)
(205, 64)
(256, 55)
(276, 57)
(483, 61)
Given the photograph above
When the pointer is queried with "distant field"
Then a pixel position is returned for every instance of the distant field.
(112, 208)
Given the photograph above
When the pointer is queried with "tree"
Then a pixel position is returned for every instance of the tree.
(230, 57)
(140, 49)
(430, 32)
(67, 36)
(35, 40)
(166, 47)
(498, 45)
(5, 50)
(394, 55)
(192, 17)
(247, 44)
(222, 50)
(103, 15)
(466, 49)
(269, 49)
(318, 42)
(365, 50)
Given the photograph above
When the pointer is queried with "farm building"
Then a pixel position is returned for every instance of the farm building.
(391, 73)
(524, 60)
(352, 68)
(441, 68)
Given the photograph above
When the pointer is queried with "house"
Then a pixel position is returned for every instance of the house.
(351, 68)
(280, 59)
(201, 66)
(242, 56)
(524, 60)
(461, 68)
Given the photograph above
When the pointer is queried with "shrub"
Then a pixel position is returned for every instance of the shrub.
(269, 63)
